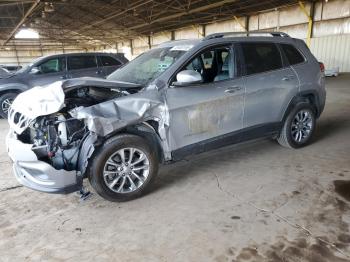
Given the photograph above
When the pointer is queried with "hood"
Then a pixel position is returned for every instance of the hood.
(40, 101)
(73, 83)
(35, 102)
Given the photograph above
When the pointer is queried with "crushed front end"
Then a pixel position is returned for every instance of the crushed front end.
(49, 148)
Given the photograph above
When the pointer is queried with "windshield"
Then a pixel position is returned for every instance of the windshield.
(147, 66)
(4, 70)
(25, 68)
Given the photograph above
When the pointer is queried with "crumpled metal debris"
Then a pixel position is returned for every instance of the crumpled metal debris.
(113, 115)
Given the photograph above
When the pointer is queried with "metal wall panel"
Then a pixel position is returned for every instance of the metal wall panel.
(333, 51)
(189, 33)
(332, 27)
(226, 26)
(293, 15)
(296, 31)
(332, 9)
(254, 22)
(268, 20)
(160, 38)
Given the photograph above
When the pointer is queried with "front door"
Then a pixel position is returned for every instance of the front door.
(203, 112)
(47, 72)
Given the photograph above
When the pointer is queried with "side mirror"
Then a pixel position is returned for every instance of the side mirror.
(34, 71)
(188, 77)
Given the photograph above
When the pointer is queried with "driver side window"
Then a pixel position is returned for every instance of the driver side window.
(214, 64)
(54, 65)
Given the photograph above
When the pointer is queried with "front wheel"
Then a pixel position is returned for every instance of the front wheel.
(124, 168)
(298, 127)
(5, 103)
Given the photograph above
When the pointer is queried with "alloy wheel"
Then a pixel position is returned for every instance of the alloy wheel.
(6, 104)
(126, 170)
(302, 125)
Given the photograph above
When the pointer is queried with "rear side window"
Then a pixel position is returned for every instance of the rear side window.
(81, 62)
(261, 57)
(109, 61)
(292, 54)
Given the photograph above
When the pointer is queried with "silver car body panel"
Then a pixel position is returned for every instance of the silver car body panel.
(266, 94)
(35, 174)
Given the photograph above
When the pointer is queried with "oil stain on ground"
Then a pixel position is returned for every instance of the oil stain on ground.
(342, 187)
(301, 250)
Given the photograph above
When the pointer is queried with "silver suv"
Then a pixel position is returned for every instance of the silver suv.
(181, 98)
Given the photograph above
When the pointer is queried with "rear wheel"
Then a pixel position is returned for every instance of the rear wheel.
(124, 168)
(5, 103)
(298, 127)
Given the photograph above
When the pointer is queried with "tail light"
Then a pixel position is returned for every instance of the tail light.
(321, 66)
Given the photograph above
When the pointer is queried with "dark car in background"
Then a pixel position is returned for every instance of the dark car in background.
(48, 69)
(4, 73)
(11, 68)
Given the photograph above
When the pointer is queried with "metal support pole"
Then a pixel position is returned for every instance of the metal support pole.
(16, 53)
(203, 30)
(149, 42)
(200, 34)
(247, 23)
(310, 22)
(240, 23)
(131, 48)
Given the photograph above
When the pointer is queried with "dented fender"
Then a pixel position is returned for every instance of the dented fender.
(107, 118)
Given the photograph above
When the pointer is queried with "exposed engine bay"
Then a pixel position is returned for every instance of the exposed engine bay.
(57, 138)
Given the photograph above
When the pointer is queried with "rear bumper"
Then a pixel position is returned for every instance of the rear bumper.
(36, 174)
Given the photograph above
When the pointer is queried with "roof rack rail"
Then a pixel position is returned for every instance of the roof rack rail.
(251, 33)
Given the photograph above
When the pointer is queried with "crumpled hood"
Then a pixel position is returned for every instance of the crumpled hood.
(40, 101)
(109, 116)
(35, 102)
(46, 100)
(97, 82)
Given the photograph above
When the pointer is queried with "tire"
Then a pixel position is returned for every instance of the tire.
(103, 175)
(4, 100)
(288, 136)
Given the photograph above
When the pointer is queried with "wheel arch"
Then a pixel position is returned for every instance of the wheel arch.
(148, 131)
(306, 96)
(10, 90)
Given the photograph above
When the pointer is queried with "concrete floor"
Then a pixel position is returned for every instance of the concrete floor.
(252, 202)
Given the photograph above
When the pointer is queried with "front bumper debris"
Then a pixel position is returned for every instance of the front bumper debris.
(36, 174)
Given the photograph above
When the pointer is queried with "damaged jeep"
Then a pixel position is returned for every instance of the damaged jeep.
(181, 98)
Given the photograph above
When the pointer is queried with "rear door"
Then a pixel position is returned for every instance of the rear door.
(109, 64)
(83, 65)
(270, 83)
(49, 71)
(200, 112)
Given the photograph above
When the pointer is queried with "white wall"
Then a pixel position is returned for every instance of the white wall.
(333, 51)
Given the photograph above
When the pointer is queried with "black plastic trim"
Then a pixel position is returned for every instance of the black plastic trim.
(259, 131)
(301, 97)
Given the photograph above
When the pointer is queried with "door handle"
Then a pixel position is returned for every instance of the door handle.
(63, 77)
(287, 78)
(233, 89)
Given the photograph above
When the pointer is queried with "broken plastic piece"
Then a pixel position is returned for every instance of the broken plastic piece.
(84, 194)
